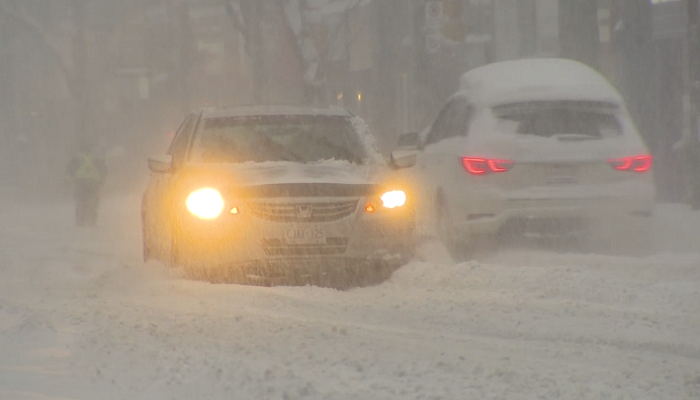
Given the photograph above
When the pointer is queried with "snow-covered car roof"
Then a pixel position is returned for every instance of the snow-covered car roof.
(269, 110)
(546, 79)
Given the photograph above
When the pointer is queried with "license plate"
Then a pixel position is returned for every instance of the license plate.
(305, 236)
(561, 175)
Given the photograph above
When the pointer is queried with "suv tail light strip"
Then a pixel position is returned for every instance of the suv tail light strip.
(632, 164)
(483, 166)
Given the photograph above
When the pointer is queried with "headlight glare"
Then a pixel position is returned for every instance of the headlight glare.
(205, 203)
(394, 199)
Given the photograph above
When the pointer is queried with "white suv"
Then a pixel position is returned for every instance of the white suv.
(540, 147)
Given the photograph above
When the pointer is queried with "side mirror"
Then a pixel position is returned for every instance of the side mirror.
(402, 159)
(409, 140)
(161, 165)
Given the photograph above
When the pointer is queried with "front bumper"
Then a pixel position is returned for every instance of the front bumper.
(248, 240)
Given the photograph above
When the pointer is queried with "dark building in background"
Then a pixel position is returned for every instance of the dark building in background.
(650, 47)
(579, 31)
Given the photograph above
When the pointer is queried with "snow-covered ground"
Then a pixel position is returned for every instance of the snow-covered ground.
(82, 318)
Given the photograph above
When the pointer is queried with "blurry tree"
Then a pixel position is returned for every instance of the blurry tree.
(54, 58)
(286, 42)
(59, 27)
(38, 81)
(182, 45)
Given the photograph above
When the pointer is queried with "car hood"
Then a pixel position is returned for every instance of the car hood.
(276, 173)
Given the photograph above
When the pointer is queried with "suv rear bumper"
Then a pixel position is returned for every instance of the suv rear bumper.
(503, 213)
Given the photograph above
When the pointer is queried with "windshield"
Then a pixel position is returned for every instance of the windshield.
(303, 139)
(545, 119)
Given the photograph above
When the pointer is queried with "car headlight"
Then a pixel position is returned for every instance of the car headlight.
(394, 199)
(205, 203)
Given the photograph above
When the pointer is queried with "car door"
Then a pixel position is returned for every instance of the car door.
(426, 159)
(450, 150)
(428, 164)
(438, 155)
(162, 184)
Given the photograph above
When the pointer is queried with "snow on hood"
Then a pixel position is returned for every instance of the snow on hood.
(284, 172)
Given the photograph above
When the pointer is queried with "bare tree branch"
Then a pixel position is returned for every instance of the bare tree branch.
(238, 22)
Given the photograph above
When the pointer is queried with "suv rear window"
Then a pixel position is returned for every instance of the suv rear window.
(303, 139)
(595, 120)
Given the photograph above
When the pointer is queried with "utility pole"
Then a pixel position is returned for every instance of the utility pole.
(579, 31)
(694, 66)
(527, 27)
(185, 57)
(180, 33)
(636, 50)
(81, 79)
(693, 147)
(8, 130)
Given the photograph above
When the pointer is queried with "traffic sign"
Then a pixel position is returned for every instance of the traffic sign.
(433, 10)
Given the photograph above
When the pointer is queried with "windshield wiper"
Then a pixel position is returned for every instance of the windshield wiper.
(346, 154)
(281, 151)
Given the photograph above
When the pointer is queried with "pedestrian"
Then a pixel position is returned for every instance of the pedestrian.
(87, 172)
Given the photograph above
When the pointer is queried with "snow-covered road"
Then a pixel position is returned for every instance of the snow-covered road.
(82, 318)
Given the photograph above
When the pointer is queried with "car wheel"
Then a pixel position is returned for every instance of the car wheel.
(147, 247)
(446, 232)
(178, 255)
(460, 246)
(622, 237)
(362, 275)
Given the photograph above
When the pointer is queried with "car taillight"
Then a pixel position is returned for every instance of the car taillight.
(483, 166)
(632, 164)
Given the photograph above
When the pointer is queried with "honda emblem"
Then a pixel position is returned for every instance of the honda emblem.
(305, 211)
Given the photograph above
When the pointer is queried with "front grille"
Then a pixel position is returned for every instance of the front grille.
(296, 190)
(333, 246)
(304, 212)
